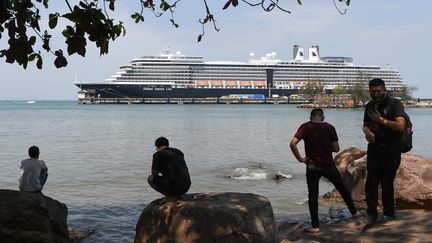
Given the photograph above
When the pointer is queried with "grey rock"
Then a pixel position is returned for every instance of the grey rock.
(32, 217)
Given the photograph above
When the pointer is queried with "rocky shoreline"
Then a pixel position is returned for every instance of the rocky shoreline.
(241, 217)
(411, 225)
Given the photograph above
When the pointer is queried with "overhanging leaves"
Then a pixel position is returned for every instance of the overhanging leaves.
(87, 21)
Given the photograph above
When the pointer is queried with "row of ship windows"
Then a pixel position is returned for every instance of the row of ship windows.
(290, 83)
(338, 70)
(395, 82)
(258, 73)
(257, 66)
(261, 73)
(189, 69)
(240, 77)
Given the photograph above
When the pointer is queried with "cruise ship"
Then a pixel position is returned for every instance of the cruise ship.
(174, 75)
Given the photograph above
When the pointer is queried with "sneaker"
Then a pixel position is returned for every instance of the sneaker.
(386, 218)
(371, 219)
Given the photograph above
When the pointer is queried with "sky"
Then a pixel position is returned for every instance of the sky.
(395, 33)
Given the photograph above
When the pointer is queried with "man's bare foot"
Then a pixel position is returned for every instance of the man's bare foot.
(311, 230)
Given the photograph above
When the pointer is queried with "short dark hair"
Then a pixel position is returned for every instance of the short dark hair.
(161, 141)
(376, 82)
(317, 112)
(33, 151)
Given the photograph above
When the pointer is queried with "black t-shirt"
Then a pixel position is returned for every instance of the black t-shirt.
(171, 164)
(389, 109)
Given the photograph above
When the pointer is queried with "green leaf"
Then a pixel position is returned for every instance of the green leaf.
(39, 63)
(32, 57)
(32, 40)
(60, 61)
(111, 5)
(52, 23)
(98, 14)
(299, 2)
(68, 32)
(164, 5)
(226, 5)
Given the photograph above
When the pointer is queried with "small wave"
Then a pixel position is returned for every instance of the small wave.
(248, 174)
(302, 201)
(281, 175)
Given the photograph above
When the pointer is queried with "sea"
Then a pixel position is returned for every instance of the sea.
(99, 156)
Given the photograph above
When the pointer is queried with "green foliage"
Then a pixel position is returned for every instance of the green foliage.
(311, 89)
(406, 93)
(339, 90)
(359, 93)
(88, 21)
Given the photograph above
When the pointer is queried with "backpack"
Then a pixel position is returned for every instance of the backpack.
(407, 134)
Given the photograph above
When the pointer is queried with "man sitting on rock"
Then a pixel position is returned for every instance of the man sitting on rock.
(35, 172)
(320, 140)
(170, 175)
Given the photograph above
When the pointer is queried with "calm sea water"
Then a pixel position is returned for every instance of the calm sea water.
(99, 156)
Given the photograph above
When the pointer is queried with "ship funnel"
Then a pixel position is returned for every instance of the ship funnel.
(298, 53)
(314, 54)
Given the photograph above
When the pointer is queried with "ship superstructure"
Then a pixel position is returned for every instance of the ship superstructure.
(174, 75)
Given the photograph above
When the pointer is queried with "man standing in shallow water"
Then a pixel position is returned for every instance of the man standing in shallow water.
(383, 124)
(169, 174)
(320, 140)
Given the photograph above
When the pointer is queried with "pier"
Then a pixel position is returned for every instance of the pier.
(210, 100)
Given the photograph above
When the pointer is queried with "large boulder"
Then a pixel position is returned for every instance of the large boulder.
(210, 217)
(32, 217)
(413, 183)
(352, 167)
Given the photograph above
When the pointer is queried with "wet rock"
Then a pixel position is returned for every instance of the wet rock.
(279, 176)
(210, 217)
(32, 217)
(346, 158)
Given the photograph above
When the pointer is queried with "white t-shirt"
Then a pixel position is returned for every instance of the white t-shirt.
(29, 181)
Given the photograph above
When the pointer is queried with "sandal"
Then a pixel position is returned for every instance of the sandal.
(311, 230)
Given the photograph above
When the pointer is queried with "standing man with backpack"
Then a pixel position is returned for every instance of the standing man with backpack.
(383, 126)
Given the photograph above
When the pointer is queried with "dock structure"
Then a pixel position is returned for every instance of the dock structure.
(188, 101)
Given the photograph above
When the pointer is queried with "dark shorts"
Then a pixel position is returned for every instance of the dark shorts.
(165, 187)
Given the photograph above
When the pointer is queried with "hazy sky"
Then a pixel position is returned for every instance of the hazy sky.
(378, 32)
